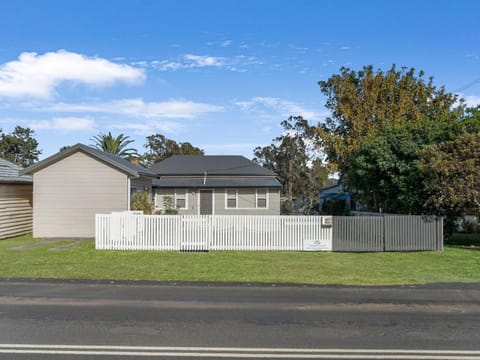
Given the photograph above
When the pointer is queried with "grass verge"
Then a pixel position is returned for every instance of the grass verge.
(84, 262)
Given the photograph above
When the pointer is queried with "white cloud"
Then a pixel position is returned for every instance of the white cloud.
(202, 61)
(472, 100)
(271, 107)
(184, 109)
(226, 43)
(189, 61)
(64, 124)
(35, 75)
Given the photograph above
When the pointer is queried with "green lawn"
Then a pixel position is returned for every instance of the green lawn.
(84, 262)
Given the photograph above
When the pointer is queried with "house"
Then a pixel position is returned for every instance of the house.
(335, 192)
(15, 201)
(70, 187)
(215, 185)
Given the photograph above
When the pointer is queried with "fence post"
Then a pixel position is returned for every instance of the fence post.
(384, 232)
(439, 233)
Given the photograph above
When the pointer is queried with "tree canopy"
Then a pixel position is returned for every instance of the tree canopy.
(20, 146)
(293, 158)
(114, 145)
(364, 103)
(452, 175)
(160, 147)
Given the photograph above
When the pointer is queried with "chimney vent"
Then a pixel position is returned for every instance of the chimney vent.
(135, 160)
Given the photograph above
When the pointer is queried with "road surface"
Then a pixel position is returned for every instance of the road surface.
(111, 320)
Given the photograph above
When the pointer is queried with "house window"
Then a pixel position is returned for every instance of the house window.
(262, 198)
(165, 199)
(181, 198)
(231, 195)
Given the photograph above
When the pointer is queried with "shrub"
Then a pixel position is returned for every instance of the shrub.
(471, 226)
(141, 202)
(335, 207)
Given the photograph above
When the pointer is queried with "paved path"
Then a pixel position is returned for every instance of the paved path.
(65, 320)
(72, 244)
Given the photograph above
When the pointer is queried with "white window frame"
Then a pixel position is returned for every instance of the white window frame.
(226, 199)
(186, 200)
(266, 199)
(267, 192)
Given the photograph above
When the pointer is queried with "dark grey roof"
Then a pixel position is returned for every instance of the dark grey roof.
(213, 164)
(215, 182)
(110, 159)
(9, 172)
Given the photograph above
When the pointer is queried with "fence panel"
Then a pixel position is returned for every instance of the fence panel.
(410, 233)
(127, 231)
(387, 233)
(357, 234)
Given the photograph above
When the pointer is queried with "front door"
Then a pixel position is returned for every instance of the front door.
(206, 202)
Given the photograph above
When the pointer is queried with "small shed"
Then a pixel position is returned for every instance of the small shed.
(15, 201)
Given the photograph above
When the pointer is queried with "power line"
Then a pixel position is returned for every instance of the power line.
(468, 85)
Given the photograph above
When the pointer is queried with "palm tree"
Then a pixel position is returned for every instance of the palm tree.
(114, 145)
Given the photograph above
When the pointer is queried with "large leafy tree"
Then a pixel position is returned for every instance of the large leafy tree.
(365, 103)
(385, 169)
(20, 146)
(160, 147)
(452, 175)
(299, 168)
(423, 168)
(117, 145)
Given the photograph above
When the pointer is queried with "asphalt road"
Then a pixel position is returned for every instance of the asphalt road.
(75, 320)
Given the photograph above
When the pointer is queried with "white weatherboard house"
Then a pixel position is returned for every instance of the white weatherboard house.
(70, 187)
(15, 201)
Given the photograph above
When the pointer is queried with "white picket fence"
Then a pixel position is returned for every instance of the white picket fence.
(127, 231)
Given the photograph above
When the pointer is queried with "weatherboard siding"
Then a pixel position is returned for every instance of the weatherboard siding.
(15, 210)
(68, 194)
(247, 203)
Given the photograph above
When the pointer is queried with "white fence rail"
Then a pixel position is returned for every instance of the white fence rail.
(121, 231)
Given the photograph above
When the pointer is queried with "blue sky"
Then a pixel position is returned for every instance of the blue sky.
(219, 74)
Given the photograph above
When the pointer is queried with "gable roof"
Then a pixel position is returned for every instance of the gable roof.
(210, 164)
(10, 173)
(115, 161)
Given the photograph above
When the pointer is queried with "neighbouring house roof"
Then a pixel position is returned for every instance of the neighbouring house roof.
(210, 164)
(215, 182)
(330, 187)
(115, 161)
(10, 173)
(334, 192)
